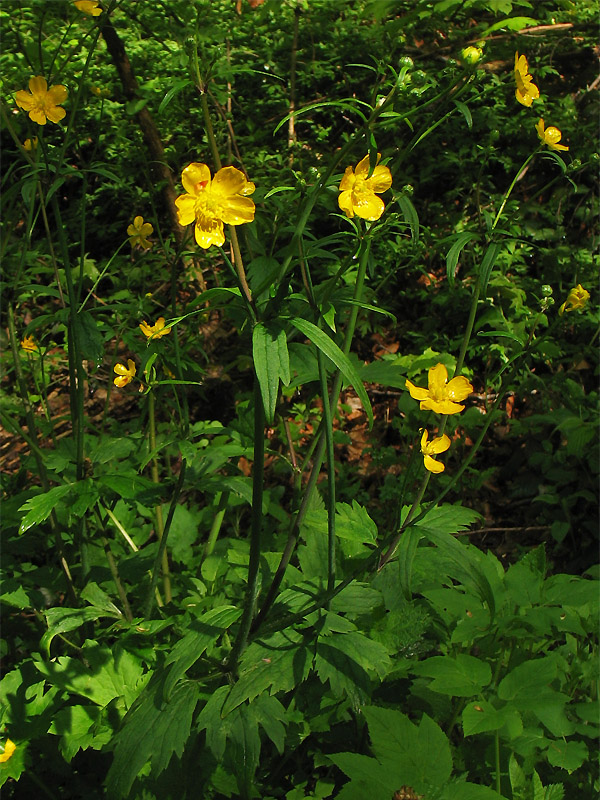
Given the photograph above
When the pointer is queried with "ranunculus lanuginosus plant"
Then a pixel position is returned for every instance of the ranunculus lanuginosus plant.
(431, 448)
(210, 202)
(28, 343)
(526, 91)
(577, 299)
(89, 7)
(42, 104)
(441, 395)
(125, 374)
(155, 331)
(358, 190)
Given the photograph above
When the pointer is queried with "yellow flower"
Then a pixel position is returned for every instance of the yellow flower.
(471, 55)
(28, 343)
(212, 202)
(139, 232)
(359, 193)
(155, 331)
(126, 373)
(43, 104)
(550, 136)
(30, 144)
(441, 396)
(89, 7)
(9, 749)
(438, 445)
(577, 298)
(526, 91)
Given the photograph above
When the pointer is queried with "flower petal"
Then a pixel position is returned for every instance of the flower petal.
(362, 168)
(38, 85)
(185, 209)
(439, 445)
(55, 113)
(228, 181)
(459, 388)
(432, 465)
(368, 206)
(416, 392)
(192, 175)
(345, 203)
(348, 180)
(24, 100)
(380, 180)
(208, 232)
(237, 210)
(57, 94)
(440, 406)
(38, 116)
(437, 379)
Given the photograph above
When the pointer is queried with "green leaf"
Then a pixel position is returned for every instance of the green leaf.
(152, 730)
(481, 717)
(528, 679)
(177, 87)
(502, 334)
(407, 549)
(567, 755)
(465, 111)
(462, 239)
(90, 338)
(203, 632)
(62, 620)
(277, 664)
(271, 362)
(487, 265)
(41, 506)
(410, 215)
(244, 751)
(333, 352)
(458, 676)
(346, 659)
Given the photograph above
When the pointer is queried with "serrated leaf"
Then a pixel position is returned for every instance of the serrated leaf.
(152, 731)
(462, 675)
(333, 352)
(277, 664)
(41, 506)
(90, 338)
(528, 679)
(567, 755)
(271, 362)
(201, 634)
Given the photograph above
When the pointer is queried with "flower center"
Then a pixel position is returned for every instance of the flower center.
(208, 203)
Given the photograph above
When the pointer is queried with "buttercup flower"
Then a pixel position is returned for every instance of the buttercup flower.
(526, 91)
(438, 445)
(89, 7)
(43, 104)
(28, 344)
(138, 233)
(550, 136)
(359, 193)
(577, 298)
(126, 373)
(30, 144)
(471, 55)
(212, 202)
(9, 749)
(441, 395)
(155, 331)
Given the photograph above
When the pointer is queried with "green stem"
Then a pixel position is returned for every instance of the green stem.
(112, 565)
(497, 760)
(511, 187)
(255, 534)
(163, 542)
(158, 508)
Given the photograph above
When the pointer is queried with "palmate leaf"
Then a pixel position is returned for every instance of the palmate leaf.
(152, 731)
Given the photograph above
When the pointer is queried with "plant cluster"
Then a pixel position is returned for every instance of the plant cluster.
(227, 572)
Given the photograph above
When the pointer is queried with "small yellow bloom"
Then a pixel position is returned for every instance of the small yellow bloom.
(9, 749)
(30, 144)
(441, 396)
(43, 104)
(89, 7)
(359, 193)
(577, 298)
(211, 202)
(28, 343)
(526, 91)
(155, 331)
(126, 373)
(550, 136)
(139, 232)
(438, 445)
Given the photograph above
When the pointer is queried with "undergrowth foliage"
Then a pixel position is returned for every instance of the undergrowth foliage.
(229, 570)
